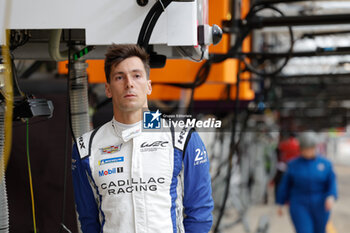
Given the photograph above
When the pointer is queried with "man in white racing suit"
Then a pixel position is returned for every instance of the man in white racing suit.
(127, 180)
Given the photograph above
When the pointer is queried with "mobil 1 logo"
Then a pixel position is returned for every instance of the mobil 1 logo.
(107, 172)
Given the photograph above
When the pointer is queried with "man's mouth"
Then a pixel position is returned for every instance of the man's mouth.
(129, 95)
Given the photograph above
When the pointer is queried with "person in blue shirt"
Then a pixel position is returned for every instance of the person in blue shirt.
(309, 186)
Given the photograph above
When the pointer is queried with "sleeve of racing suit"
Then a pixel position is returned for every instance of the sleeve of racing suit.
(198, 202)
(332, 184)
(86, 205)
(283, 188)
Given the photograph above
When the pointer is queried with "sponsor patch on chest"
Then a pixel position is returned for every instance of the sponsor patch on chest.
(153, 146)
(110, 171)
(110, 149)
(111, 160)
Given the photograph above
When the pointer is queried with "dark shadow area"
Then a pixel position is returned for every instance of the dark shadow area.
(47, 138)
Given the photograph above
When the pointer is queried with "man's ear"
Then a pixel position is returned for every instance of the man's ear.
(149, 85)
(108, 90)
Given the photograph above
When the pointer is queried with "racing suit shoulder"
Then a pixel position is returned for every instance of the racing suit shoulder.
(181, 137)
(84, 142)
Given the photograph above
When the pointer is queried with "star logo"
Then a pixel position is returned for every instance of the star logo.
(156, 115)
(151, 120)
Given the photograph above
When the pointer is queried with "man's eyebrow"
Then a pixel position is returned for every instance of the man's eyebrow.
(136, 70)
(119, 72)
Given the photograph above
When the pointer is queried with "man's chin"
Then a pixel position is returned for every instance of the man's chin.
(131, 107)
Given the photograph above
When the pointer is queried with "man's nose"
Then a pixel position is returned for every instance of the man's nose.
(129, 82)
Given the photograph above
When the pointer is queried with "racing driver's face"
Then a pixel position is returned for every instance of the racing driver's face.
(128, 86)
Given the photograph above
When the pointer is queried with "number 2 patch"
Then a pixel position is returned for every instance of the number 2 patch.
(201, 156)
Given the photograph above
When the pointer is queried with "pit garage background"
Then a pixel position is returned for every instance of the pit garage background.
(280, 67)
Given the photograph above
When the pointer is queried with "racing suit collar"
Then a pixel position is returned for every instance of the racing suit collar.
(126, 131)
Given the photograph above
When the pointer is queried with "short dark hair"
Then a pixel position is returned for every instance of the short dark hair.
(118, 53)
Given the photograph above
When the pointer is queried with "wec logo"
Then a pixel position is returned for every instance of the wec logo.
(154, 144)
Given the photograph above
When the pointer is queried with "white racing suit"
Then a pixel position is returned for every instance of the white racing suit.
(126, 180)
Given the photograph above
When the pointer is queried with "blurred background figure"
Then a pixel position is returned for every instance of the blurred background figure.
(309, 186)
(288, 149)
